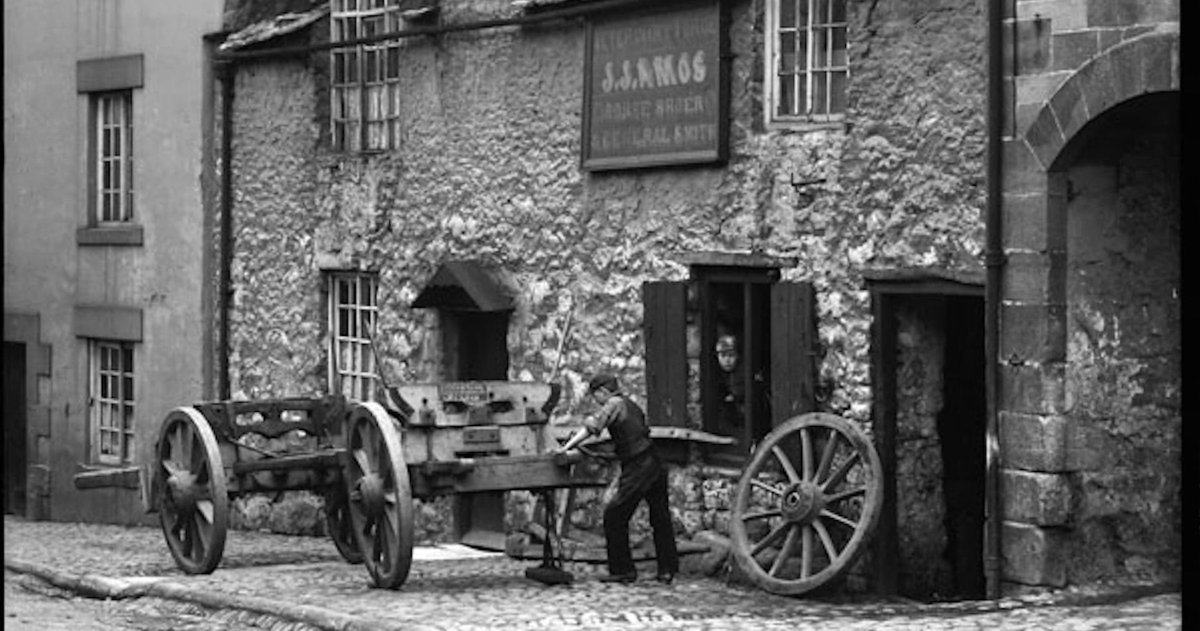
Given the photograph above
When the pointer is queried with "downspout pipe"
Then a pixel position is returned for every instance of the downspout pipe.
(226, 75)
(995, 264)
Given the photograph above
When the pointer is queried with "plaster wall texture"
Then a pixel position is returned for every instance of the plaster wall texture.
(488, 168)
(46, 193)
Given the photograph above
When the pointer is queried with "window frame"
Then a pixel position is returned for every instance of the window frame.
(112, 413)
(831, 68)
(364, 79)
(360, 379)
(119, 153)
(753, 337)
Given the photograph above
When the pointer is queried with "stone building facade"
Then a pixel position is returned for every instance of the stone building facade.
(106, 109)
(882, 211)
(1089, 356)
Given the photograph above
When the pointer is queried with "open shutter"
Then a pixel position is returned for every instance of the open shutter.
(665, 328)
(793, 350)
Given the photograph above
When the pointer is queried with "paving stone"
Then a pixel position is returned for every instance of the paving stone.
(453, 587)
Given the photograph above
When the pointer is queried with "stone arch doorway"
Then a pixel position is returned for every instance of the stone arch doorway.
(1122, 350)
(1090, 376)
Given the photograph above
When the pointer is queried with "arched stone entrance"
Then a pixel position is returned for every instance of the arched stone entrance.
(1090, 326)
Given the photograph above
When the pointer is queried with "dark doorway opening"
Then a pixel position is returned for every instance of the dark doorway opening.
(929, 417)
(15, 429)
(475, 345)
(962, 427)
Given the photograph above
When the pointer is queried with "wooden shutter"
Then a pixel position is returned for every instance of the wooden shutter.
(665, 330)
(793, 350)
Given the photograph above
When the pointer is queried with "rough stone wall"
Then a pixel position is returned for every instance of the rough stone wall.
(920, 505)
(1123, 357)
(488, 168)
(1089, 416)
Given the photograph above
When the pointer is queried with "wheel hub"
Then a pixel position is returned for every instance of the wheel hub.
(371, 489)
(181, 490)
(802, 502)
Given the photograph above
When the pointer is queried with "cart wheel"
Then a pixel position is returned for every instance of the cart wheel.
(338, 523)
(193, 505)
(381, 509)
(806, 504)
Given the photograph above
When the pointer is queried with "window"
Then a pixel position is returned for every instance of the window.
(806, 60)
(352, 321)
(365, 92)
(113, 112)
(111, 401)
(108, 84)
(732, 352)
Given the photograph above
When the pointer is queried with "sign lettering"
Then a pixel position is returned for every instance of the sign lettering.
(656, 91)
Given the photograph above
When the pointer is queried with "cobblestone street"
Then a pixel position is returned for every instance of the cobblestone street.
(303, 580)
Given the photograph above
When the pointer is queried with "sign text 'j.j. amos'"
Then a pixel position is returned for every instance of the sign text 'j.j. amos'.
(656, 89)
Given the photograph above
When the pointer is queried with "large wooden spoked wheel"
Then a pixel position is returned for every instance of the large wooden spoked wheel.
(807, 504)
(380, 498)
(193, 504)
(338, 523)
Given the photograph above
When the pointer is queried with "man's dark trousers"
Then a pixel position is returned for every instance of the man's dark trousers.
(642, 477)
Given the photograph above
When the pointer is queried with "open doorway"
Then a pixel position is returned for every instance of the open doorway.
(929, 419)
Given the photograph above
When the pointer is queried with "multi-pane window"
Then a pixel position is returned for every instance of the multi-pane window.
(806, 60)
(114, 156)
(352, 318)
(365, 78)
(112, 401)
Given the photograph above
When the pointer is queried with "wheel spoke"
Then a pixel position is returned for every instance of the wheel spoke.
(205, 509)
(766, 514)
(806, 550)
(770, 538)
(185, 440)
(199, 461)
(789, 545)
(827, 541)
(763, 486)
(827, 455)
(375, 448)
(838, 518)
(786, 463)
(362, 460)
(806, 456)
(201, 532)
(175, 448)
(846, 494)
(172, 468)
(841, 472)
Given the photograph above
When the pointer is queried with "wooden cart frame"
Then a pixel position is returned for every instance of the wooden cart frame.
(803, 511)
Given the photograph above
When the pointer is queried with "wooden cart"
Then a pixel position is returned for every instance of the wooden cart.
(803, 511)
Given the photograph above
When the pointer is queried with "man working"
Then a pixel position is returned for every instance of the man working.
(642, 477)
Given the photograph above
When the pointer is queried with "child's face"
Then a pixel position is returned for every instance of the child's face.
(727, 359)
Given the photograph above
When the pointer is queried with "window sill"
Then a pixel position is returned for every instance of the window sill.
(801, 126)
(102, 475)
(115, 235)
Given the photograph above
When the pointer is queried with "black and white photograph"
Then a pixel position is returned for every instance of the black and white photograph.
(667, 315)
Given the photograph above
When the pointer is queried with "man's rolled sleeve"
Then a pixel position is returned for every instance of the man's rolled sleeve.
(610, 412)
